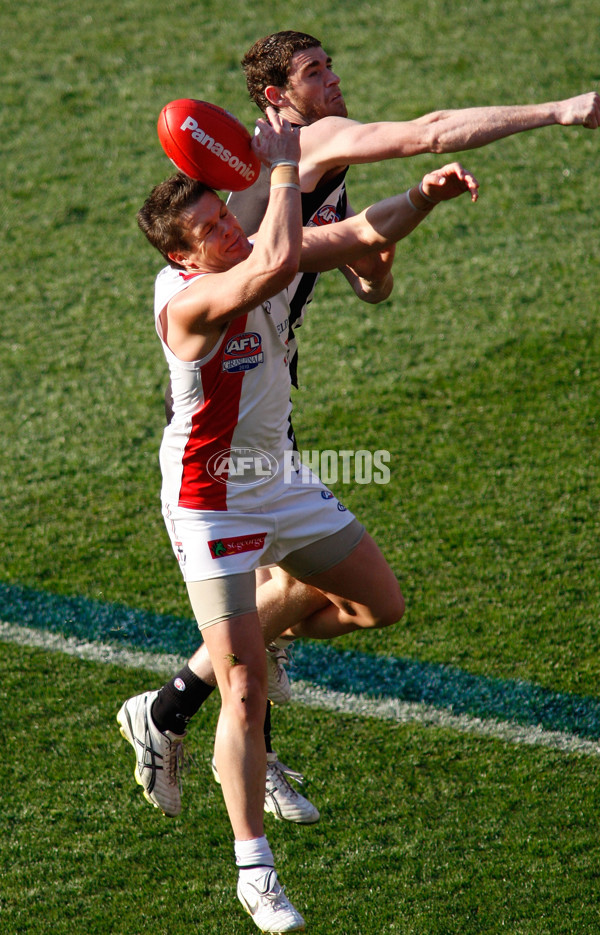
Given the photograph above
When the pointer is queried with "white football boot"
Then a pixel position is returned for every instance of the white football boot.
(264, 899)
(284, 801)
(281, 799)
(158, 755)
(279, 690)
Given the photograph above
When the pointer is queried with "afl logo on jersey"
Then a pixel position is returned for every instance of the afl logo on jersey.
(325, 215)
(243, 352)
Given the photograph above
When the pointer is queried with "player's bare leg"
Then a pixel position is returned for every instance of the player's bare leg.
(237, 653)
(238, 659)
(362, 592)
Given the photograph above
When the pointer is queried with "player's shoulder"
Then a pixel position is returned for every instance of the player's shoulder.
(325, 128)
(324, 146)
(171, 277)
(169, 282)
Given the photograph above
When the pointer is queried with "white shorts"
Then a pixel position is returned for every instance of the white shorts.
(214, 544)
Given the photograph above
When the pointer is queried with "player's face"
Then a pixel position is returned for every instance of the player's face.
(219, 241)
(313, 89)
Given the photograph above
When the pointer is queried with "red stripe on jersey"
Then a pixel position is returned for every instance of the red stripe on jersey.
(187, 277)
(212, 430)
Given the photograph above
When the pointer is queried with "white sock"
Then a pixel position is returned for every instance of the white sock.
(252, 854)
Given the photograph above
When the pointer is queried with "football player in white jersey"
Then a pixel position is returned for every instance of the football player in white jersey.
(291, 71)
(220, 302)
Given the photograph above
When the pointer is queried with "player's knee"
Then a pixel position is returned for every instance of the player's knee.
(393, 611)
(245, 694)
(387, 611)
(289, 588)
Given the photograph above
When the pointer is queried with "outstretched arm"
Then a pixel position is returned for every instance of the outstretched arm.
(335, 141)
(234, 277)
(383, 224)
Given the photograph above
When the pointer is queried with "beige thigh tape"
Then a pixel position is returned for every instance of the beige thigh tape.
(216, 599)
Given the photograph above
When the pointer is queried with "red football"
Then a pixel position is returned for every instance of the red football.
(208, 143)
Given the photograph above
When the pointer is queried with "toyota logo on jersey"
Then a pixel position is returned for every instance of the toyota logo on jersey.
(325, 215)
(243, 352)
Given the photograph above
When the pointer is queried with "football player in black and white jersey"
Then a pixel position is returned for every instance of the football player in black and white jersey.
(291, 72)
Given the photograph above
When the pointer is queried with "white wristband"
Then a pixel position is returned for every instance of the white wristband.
(286, 185)
(284, 162)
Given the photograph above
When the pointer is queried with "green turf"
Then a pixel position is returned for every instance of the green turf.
(478, 375)
(447, 834)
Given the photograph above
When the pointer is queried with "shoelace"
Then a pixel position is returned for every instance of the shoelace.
(278, 900)
(280, 773)
(175, 762)
(276, 896)
(288, 650)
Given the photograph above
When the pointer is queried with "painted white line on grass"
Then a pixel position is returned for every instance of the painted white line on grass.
(309, 695)
(163, 663)
(393, 709)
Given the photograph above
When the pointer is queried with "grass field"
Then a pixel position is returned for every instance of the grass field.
(479, 375)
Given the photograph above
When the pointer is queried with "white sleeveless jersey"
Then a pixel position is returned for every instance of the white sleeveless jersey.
(224, 448)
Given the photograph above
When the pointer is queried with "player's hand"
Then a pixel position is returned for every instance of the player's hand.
(583, 110)
(275, 138)
(449, 182)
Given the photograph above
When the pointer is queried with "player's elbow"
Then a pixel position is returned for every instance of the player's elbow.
(374, 292)
(277, 271)
(381, 291)
(286, 269)
(434, 141)
(432, 137)
(446, 140)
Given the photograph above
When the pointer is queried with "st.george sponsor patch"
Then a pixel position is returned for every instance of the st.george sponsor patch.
(221, 548)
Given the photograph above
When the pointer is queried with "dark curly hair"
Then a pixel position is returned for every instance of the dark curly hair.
(269, 61)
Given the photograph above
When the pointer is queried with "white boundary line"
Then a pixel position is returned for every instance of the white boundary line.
(163, 663)
(309, 695)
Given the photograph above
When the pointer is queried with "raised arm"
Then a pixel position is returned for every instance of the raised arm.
(335, 141)
(236, 278)
(384, 223)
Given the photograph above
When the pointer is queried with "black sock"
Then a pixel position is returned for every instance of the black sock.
(178, 701)
(267, 728)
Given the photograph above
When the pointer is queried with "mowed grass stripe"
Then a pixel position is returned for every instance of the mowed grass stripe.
(315, 696)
